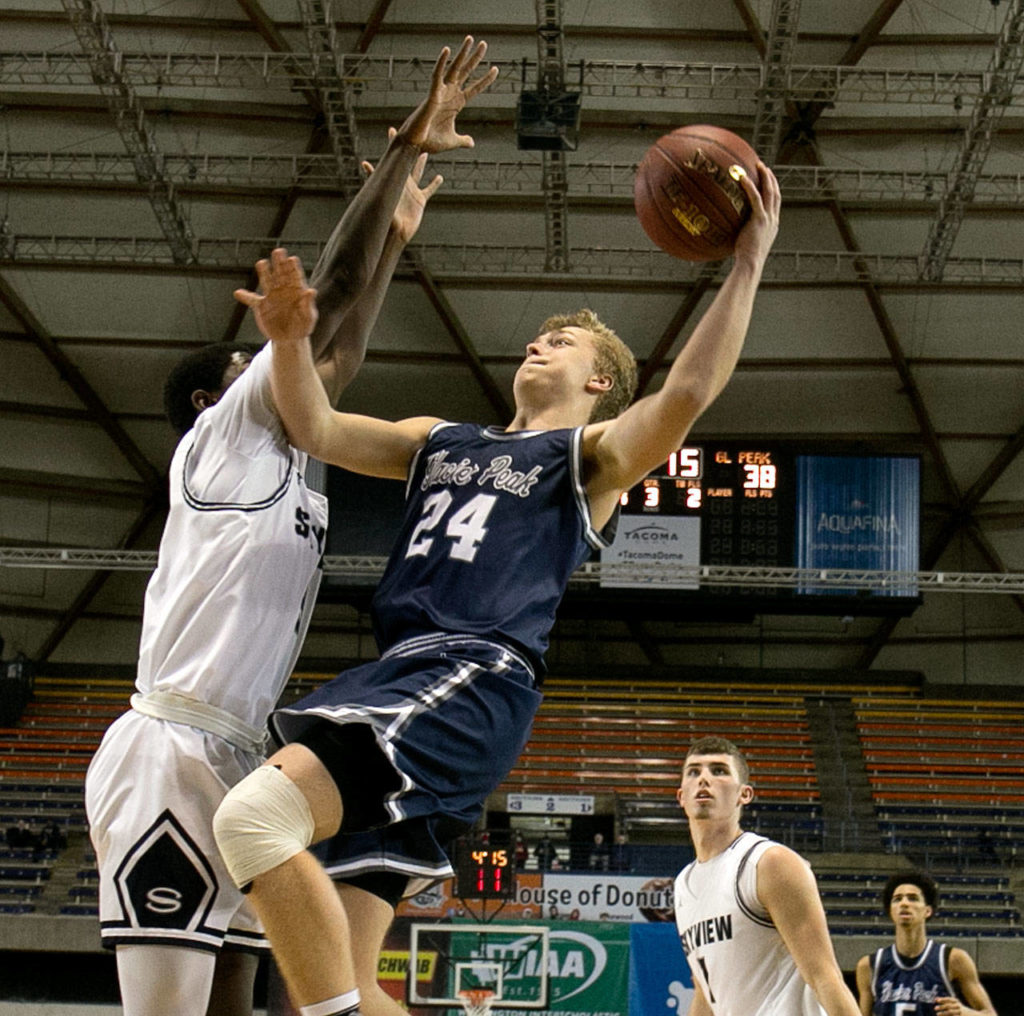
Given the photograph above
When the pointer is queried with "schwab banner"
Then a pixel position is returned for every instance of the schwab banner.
(859, 513)
(659, 977)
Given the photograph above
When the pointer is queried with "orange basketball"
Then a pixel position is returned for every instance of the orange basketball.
(687, 192)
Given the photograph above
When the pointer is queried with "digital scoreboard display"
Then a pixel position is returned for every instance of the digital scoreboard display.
(766, 506)
(743, 496)
(483, 871)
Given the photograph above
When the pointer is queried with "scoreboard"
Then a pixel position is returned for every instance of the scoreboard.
(744, 497)
(768, 505)
(483, 871)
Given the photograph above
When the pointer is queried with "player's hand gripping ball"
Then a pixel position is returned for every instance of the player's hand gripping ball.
(687, 193)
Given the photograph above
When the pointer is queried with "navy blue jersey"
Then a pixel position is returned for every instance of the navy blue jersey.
(908, 986)
(495, 523)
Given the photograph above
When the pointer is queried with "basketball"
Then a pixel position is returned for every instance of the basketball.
(687, 192)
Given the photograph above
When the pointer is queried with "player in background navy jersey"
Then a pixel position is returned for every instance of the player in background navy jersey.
(916, 975)
(496, 521)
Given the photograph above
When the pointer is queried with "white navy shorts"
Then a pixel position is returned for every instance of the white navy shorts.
(150, 794)
(451, 714)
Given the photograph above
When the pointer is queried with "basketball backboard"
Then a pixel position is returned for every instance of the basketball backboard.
(509, 959)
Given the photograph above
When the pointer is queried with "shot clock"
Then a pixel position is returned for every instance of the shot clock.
(483, 871)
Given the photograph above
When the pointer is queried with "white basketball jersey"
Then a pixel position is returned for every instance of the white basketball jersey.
(735, 953)
(229, 603)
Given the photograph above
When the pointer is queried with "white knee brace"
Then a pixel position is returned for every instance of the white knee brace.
(262, 822)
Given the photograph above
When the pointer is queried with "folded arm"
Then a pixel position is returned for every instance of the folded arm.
(624, 450)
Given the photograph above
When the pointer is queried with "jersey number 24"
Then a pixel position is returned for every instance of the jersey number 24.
(465, 528)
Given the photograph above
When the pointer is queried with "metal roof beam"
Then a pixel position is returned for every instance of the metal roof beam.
(95, 583)
(806, 113)
(370, 567)
(125, 106)
(334, 93)
(474, 263)
(554, 165)
(700, 285)
(491, 389)
(316, 171)
(1002, 74)
(776, 60)
(372, 25)
(670, 81)
(88, 489)
(75, 380)
(870, 33)
(752, 25)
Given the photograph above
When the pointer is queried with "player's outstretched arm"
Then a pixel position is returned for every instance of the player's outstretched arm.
(865, 996)
(787, 889)
(964, 975)
(358, 323)
(285, 312)
(353, 273)
(628, 448)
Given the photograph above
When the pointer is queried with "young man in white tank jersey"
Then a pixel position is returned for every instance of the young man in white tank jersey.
(227, 608)
(748, 912)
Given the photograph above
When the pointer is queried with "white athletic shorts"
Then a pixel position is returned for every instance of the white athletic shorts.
(150, 795)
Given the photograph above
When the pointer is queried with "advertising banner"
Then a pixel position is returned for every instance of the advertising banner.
(604, 897)
(599, 897)
(662, 541)
(660, 983)
(859, 513)
(588, 969)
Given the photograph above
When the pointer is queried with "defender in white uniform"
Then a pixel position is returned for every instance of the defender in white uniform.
(747, 909)
(225, 615)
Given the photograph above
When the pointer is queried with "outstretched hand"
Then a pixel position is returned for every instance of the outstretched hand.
(431, 126)
(758, 235)
(285, 309)
(413, 201)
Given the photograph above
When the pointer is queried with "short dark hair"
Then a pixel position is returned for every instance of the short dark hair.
(929, 890)
(711, 745)
(202, 368)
